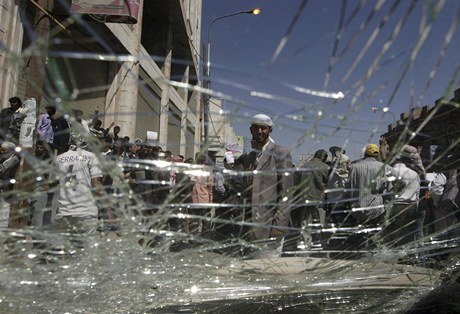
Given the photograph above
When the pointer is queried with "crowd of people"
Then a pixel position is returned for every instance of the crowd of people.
(394, 201)
(257, 196)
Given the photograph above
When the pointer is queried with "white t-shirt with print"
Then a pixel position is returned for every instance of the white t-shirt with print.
(75, 171)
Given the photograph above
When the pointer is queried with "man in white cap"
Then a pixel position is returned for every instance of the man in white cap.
(270, 185)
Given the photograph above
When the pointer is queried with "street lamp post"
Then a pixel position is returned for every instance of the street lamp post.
(387, 110)
(384, 110)
(207, 71)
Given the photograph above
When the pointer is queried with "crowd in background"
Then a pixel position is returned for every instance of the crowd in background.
(255, 196)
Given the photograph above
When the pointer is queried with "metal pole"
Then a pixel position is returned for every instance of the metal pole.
(207, 73)
(393, 125)
(387, 110)
(206, 98)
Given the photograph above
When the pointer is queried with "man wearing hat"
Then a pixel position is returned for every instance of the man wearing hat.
(270, 185)
(367, 182)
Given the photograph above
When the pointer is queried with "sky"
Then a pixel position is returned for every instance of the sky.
(317, 67)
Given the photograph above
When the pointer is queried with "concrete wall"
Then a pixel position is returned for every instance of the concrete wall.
(11, 33)
(118, 93)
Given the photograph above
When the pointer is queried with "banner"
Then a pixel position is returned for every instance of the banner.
(152, 138)
(108, 11)
(26, 133)
(236, 145)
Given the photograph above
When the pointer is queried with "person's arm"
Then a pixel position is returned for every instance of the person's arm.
(383, 148)
(210, 187)
(106, 131)
(39, 123)
(9, 163)
(387, 184)
(96, 184)
(98, 188)
(92, 121)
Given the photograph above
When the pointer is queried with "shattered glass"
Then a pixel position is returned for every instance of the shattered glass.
(165, 254)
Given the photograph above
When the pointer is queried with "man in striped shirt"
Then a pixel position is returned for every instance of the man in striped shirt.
(368, 184)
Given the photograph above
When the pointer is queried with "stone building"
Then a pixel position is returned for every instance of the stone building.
(434, 130)
(141, 76)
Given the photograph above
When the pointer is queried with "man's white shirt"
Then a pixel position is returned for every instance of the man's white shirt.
(411, 191)
(75, 171)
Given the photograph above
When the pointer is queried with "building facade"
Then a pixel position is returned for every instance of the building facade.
(434, 130)
(222, 138)
(143, 76)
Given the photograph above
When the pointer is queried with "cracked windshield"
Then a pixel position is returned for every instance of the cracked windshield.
(211, 156)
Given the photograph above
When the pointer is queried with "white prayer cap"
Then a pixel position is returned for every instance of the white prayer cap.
(262, 119)
(7, 144)
(344, 159)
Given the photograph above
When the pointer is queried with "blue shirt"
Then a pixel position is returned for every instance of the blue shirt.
(45, 128)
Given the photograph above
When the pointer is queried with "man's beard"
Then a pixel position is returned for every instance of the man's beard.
(259, 141)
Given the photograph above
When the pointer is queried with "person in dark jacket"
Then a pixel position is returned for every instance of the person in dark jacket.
(61, 133)
(314, 175)
(6, 116)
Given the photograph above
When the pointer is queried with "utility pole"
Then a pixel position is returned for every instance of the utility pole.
(206, 97)
(205, 101)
